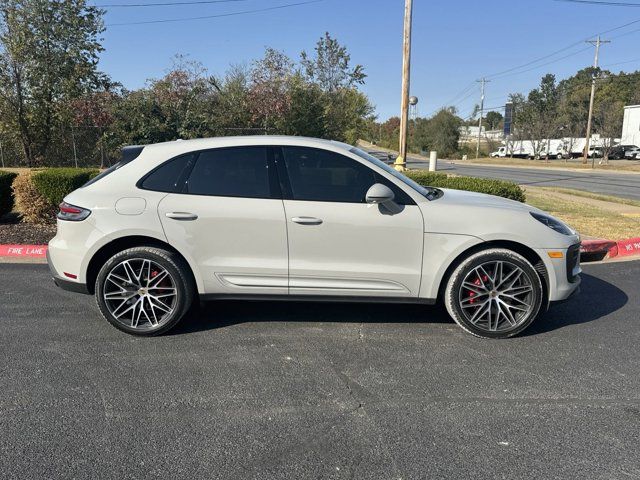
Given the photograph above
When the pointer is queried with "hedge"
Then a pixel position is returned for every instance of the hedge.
(38, 193)
(6, 195)
(499, 188)
(56, 183)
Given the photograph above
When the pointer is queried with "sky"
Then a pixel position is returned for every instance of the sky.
(454, 43)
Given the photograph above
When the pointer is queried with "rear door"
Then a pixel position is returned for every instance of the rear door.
(227, 215)
(339, 244)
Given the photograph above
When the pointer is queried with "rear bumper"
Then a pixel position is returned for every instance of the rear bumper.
(64, 283)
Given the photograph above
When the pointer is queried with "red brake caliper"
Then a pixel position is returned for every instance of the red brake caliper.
(478, 283)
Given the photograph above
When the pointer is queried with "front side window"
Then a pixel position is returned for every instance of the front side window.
(324, 176)
(231, 172)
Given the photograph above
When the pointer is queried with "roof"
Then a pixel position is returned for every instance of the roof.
(160, 151)
(212, 142)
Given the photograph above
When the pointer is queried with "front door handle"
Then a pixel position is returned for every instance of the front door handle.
(184, 216)
(307, 220)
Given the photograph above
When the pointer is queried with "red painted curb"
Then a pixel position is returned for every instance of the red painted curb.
(592, 246)
(620, 248)
(628, 247)
(34, 251)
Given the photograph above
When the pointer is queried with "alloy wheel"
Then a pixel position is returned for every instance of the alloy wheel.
(140, 293)
(497, 296)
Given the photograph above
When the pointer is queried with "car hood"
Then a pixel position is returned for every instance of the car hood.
(488, 217)
(474, 199)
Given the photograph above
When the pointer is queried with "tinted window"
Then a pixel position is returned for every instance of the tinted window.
(326, 176)
(231, 172)
(321, 175)
(170, 176)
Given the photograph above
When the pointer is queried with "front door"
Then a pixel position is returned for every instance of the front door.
(339, 244)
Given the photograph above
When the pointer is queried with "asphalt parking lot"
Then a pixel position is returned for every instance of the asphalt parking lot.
(302, 390)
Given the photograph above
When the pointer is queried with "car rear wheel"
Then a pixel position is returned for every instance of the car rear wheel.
(494, 293)
(144, 290)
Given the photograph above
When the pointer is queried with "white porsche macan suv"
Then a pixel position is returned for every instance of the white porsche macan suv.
(296, 218)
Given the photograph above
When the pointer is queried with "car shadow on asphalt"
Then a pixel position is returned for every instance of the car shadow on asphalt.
(597, 299)
(225, 313)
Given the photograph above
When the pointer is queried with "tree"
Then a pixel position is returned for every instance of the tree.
(537, 119)
(48, 56)
(270, 97)
(330, 67)
(440, 133)
(493, 120)
(608, 121)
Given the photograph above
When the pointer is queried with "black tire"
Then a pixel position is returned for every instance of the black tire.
(178, 273)
(455, 293)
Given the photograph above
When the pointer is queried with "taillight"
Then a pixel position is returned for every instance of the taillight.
(72, 213)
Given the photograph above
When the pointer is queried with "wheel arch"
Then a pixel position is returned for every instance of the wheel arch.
(525, 251)
(122, 243)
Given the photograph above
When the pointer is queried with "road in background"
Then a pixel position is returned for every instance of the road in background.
(277, 390)
(626, 185)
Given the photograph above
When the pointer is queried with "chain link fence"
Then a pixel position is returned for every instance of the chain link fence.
(73, 147)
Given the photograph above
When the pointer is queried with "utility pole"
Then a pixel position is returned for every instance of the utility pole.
(483, 81)
(597, 42)
(401, 162)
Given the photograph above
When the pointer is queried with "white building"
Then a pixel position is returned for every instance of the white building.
(631, 125)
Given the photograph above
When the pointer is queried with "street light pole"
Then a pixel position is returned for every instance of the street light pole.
(482, 82)
(401, 163)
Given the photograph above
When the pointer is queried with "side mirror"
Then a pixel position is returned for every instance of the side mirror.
(379, 193)
(383, 196)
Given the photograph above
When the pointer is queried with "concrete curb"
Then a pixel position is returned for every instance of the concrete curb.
(23, 251)
(609, 248)
(592, 249)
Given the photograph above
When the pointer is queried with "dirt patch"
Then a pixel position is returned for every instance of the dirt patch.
(14, 232)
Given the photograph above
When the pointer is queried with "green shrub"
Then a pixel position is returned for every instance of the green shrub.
(499, 188)
(56, 183)
(6, 195)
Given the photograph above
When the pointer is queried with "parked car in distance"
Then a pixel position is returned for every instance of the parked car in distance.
(291, 218)
(632, 153)
(619, 152)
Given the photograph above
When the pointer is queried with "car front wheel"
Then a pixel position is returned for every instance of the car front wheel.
(144, 290)
(494, 293)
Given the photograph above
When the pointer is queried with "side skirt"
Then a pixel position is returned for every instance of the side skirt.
(315, 298)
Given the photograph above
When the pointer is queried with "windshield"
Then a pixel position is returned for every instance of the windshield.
(428, 192)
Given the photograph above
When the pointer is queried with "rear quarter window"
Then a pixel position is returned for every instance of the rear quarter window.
(170, 176)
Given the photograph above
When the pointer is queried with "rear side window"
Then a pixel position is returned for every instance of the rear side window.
(232, 172)
(170, 176)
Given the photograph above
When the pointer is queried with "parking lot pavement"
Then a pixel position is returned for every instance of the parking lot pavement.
(277, 390)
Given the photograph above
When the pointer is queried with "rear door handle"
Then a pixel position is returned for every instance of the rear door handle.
(184, 216)
(307, 220)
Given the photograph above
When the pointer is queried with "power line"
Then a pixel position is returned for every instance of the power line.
(220, 15)
(597, 2)
(568, 47)
(164, 4)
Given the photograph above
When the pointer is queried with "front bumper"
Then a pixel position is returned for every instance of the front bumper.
(64, 283)
(563, 273)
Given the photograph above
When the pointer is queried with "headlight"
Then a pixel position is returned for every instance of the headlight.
(553, 223)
